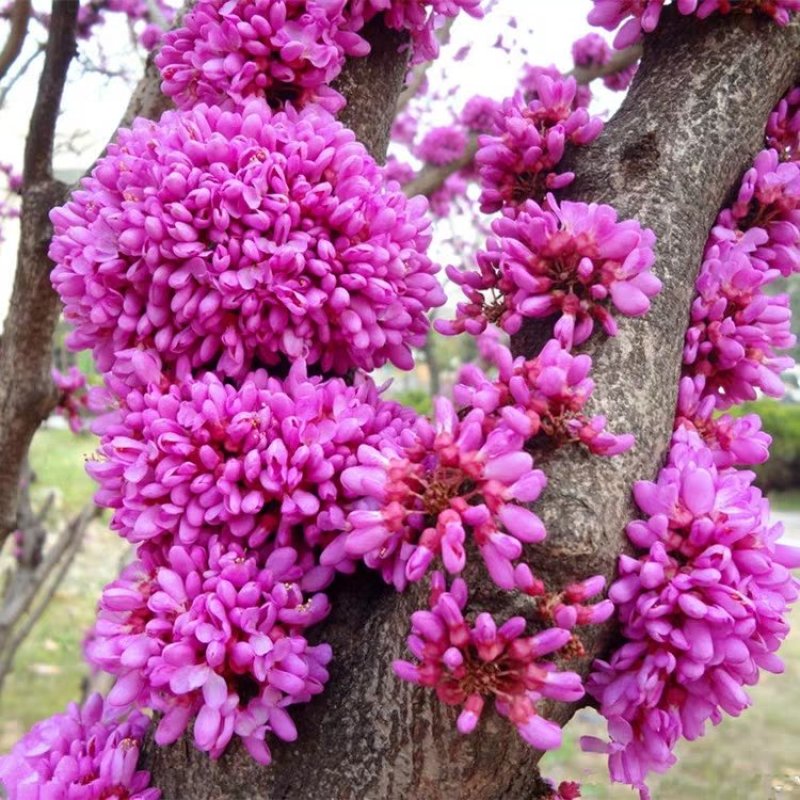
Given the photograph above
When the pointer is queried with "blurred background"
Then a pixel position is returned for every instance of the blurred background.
(754, 757)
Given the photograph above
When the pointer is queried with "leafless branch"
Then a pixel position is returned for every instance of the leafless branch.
(30, 591)
(4, 92)
(20, 17)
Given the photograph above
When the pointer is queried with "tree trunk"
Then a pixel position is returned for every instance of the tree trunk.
(690, 125)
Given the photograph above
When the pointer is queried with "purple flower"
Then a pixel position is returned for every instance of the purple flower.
(703, 609)
(566, 260)
(212, 633)
(468, 664)
(481, 114)
(541, 398)
(736, 328)
(419, 501)
(262, 462)
(214, 238)
(226, 52)
(518, 160)
(442, 145)
(86, 753)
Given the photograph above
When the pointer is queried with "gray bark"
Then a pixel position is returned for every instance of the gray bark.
(689, 127)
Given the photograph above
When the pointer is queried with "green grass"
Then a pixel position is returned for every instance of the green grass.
(786, 501)
(49, 668)
(57, 458)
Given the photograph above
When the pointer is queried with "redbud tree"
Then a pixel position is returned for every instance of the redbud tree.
(332, 595)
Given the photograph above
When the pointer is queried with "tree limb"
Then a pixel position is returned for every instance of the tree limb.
(27, 394)
(688, 128)
(19, 18)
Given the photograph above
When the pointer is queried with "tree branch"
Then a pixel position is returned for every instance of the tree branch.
(19, 18)
(688, 128)
(27, 394)
(420, 71)
(430, 178)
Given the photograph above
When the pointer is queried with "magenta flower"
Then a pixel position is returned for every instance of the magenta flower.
(226, 237)
(73, 399)
(733, 441)
(566, 260)
(518, 160)
(769, 200)
(736, 328)
(783, 127)
(260, 463)
(86, 753)
(442, 145)
(468, 664)
(419, 502)
(421, 18)
(703, 609)
(212, 633)
(226, 53)
(643, 15)
(541, 398)
(481, 114)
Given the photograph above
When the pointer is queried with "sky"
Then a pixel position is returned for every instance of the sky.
(93, 104)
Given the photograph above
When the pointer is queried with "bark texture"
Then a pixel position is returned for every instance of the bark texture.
(687, 130)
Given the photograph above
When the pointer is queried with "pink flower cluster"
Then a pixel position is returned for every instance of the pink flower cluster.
(213, 238)
(638, 16)
(226, 53)
(86, 753)
(518, 161)
(564, 260)
(442, 145)
(703, 610)
(73, 398)
(466, 663)
(542, 398)
(593, 51)
(704, 605)
(420, 500)
(281, 50)
(214, 632)
(262, 462)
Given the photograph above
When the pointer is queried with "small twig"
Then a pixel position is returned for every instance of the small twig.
(20, 17)
(61, 555)
(19, 73)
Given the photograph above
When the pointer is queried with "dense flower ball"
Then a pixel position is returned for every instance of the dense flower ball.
(212, 633)
(703, 610)
(261, 462)
(212, 239)
(542, 398)
(564, 260)
(592, 52)
(518, 160)
(421, 499)
(86, 753)
(468, 664)
(281, 50)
